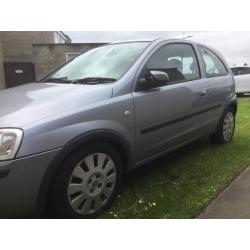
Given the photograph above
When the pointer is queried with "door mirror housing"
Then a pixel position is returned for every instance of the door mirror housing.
(160, 78)
(154, 79)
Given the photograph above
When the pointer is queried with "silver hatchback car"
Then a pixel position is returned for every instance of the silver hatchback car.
(67, 141)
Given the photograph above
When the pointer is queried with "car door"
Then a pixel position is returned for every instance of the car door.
(172, 114)
(220, 83)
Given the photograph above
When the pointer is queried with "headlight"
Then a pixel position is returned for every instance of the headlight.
(10, 140)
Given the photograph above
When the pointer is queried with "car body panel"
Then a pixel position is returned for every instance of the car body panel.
(178, 123)
(32, 102)
(47, 134)
(242, 79)
(20, 188)
(242, 83)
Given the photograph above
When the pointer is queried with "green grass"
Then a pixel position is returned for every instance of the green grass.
(183, 183)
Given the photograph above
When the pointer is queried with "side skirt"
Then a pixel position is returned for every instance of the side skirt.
(166, 151)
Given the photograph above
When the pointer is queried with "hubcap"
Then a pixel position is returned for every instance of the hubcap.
(91, 183)
(228, 126)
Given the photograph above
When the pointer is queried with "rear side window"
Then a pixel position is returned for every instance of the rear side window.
(177, 60)
(213, 65)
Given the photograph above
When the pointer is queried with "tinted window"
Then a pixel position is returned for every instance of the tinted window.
(213, 65)
(235, 71)
(177, 60)
(241, 71)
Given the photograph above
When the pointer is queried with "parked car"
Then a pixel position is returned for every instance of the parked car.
(242, 79)
(67, 141)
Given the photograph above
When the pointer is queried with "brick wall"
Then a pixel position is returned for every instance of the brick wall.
(2, 81)
(48, 57)
(17, 46)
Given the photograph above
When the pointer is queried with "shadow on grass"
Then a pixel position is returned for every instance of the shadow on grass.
(165, 162)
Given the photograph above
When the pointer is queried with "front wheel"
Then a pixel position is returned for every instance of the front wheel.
(87, 182)
(225, 131)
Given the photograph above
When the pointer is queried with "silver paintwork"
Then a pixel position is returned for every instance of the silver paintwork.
(228, 126)
(19, 191)
(90, 186)
(51, 115)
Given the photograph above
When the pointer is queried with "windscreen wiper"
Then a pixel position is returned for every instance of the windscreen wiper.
(57, 80)
(94, 80)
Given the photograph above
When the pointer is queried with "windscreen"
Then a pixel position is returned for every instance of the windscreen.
(110, 62)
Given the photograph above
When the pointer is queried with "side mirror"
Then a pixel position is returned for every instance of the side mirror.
(154, 79)
(159, 77)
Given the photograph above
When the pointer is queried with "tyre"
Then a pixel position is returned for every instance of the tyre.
(87, 182)
(226, 127)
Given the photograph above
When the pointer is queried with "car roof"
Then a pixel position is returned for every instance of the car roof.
(162, 39)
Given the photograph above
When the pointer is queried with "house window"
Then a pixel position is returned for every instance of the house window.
(72, 55)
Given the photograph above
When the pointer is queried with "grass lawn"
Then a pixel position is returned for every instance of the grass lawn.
(183, 183)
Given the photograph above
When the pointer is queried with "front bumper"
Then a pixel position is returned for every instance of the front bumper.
(20, 181)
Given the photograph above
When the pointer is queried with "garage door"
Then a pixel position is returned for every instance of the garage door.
(17, 73)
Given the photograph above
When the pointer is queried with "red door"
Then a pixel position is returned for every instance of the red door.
(17, 73)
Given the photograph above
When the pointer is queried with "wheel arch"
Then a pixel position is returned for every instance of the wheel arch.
(234, 105)
(112, 137)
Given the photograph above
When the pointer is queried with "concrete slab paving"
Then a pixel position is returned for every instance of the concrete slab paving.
(233, 202)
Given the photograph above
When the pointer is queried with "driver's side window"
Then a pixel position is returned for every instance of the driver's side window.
(177, 60)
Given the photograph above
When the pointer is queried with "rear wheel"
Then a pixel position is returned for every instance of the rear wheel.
(225, 131)
(87, 182)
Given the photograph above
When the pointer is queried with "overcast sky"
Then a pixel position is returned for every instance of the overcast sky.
(234, 45)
